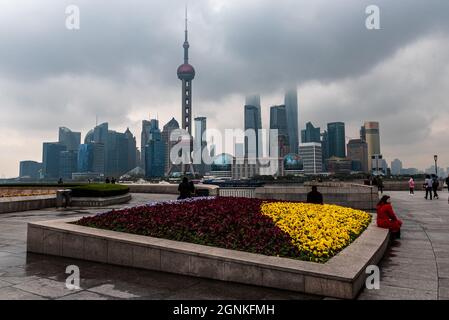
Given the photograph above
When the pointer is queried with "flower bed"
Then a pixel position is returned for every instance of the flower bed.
(292, 230)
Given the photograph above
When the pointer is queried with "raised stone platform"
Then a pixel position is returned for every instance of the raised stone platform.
(100, 202)
(341, 277)
(16, 204)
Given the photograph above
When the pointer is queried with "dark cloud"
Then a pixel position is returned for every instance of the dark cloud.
(122, 64)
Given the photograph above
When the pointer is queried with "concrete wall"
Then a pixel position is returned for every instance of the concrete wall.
(341, 277)
(16, 204)
(348, 195)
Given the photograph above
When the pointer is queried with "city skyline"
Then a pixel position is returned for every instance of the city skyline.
(123, 91)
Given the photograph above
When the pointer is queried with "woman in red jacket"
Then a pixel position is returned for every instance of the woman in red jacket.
(386, 218)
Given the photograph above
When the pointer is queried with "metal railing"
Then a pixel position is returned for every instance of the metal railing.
(237, 192)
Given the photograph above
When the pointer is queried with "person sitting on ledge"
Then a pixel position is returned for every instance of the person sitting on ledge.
(315, 196)
(387, 219)
(185, 189)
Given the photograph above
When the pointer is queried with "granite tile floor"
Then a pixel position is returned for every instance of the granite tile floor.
(417, 266)
(29, 276)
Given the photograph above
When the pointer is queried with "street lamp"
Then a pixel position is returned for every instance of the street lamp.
(435, 157)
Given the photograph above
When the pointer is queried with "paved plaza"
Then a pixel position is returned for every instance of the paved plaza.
(416, 267)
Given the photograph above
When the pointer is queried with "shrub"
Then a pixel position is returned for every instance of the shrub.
(99, 190)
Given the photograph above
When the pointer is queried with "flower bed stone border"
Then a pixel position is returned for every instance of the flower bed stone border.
(343, 276)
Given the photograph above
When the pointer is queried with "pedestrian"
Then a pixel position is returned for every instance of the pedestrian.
(428, 186)
(387, 219)
(185, 189)
(435, 186)
(447, 182)
(411, 184)
(60, 181)
(380, 185)
(113, 181)
(315, 196)
(107, 180)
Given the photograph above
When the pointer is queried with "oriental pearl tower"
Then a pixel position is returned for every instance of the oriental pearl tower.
(186, 73)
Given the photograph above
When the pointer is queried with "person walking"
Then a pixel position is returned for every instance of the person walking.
(435, 186)
(428, 186)
(387, 219)
(315, 196)
(411, 185)
(447, 183)
(380, 185)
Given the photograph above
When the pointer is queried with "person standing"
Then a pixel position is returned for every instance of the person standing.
(447, 183)
(428, 186)
(315, 196)
(380, 185)
(411, 185)
(387, 219)
(185, 189)
(435, 186)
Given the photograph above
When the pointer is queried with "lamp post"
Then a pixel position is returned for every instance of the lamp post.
(435, 157)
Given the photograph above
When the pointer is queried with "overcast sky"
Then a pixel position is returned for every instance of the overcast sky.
(121, 65)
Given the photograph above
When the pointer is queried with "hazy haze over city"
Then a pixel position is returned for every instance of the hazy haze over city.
(121, 66)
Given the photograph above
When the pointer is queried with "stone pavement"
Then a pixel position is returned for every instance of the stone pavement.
(417, 266)
(30, 276)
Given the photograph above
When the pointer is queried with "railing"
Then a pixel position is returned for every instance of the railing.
(238, 192)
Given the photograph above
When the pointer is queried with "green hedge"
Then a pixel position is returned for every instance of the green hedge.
(99, 190)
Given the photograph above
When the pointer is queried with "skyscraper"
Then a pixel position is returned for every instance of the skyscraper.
(278, 121)
(253, 124)
(396, 167)
(51, 159)
(132, 150)
(69, 139)
(311, 134)
(291, 105)
(336, 139)
(325, 148)
(68, 164)
(200, 144)
(358, 153)
(372, 138)
(155, 153)
(171, 126)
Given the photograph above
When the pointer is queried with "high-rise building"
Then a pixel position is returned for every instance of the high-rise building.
(253, 124)
(291, 106)
(30, 170)
(116, 154)
(311, 155)
(155, 153)
(325, 149)
(311, 134)
(336, 139)
(200, 144)
(68, 164)
(70, 139)
(370, 131)
(338, 165)
(168, 129)
(358, 153)
(91, 158)
(396, 167)
(278, 121)
(132, 150)
(51, 159)
(239, 150)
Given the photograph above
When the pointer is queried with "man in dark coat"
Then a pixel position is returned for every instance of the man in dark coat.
(314, 196)
(185, 189)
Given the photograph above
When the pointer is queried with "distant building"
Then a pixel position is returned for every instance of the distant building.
(168, 129)
(338, 165)
(68, 164)
(378, 164)
(311, 134)
(293, 165)
(311, 155)
(132, 151)
(253, 123)
(396, 167)
(291, 106)
(222, 166)
(155, 153)
(71, 140)
(116, 154)
(336, 139)
(51, 160)
(200, 144)
(278, 121)
(30, 170)
(358, 153)
(325, 148)
(239, 150)
(409, 171)
(91, 159)
(370, 134)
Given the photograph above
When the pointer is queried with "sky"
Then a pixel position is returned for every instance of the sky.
(120, 66)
